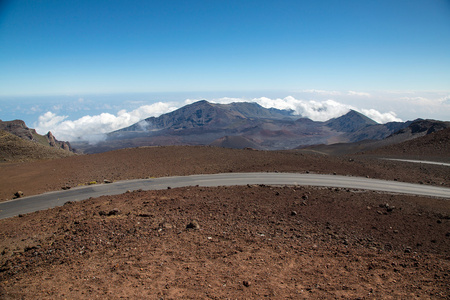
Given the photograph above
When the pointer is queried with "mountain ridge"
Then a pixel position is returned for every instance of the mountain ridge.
(204, 123)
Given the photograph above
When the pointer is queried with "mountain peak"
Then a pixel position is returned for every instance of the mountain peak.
(350, 122)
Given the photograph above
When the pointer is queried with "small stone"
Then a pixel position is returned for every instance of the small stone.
(18, 194)
(193, 225)
(293, 213)
(107, 181)
(246, 283)
(113, 212)
(165, 225)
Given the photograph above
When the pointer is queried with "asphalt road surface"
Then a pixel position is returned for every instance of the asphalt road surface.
(420, 161)
(52, 199)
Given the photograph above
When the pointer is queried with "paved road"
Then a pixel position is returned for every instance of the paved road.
(58, 198)
(420, 161)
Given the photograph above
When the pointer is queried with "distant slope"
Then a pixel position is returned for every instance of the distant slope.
(16, 149)
(414, 139)
(21, 130)
(434, 144)
(235, 142)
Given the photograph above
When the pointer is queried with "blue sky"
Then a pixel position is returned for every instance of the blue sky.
(115, 54)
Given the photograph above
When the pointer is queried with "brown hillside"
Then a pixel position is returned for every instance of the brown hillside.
(16, 149)
(436, 144)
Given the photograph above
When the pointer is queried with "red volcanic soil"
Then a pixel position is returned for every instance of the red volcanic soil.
(48, 175)
(247, 242)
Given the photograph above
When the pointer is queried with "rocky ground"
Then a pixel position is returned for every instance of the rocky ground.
(245, 242)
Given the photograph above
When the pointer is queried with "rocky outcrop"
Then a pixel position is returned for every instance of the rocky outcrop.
(53, 142)
(20, 129)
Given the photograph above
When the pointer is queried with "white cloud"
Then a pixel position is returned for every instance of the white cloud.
(322, 92)
(94, 128)
(380, 117)
(353, 93)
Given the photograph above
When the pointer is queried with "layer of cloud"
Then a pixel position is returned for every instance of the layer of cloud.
(353, 93)
(93, 128)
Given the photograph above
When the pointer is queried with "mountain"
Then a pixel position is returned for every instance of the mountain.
(203, 114)
(244, 125)
(16, 149)
(411, 137)
(21, 130)
(202, 123)
(350, 122)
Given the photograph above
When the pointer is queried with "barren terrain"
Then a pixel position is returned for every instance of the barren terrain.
(145, 162)
(247, 242)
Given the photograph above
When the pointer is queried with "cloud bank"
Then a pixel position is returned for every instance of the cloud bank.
(94, 128)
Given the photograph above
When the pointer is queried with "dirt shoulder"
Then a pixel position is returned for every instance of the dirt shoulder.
(48, 175)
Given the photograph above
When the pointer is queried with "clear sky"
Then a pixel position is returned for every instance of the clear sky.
(245, 47)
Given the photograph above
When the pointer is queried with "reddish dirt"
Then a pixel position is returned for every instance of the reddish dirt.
(252, 242)
(49, 175)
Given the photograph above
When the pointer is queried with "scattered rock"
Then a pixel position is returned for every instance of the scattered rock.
(193, 225)
(114, 212)
(144, 215)
(246, 283)
(65, 188)
(18, 194)
(293, 213)
(165, 225)
(107, 181)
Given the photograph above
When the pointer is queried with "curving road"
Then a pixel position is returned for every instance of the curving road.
(52, 199)
(420, 161)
